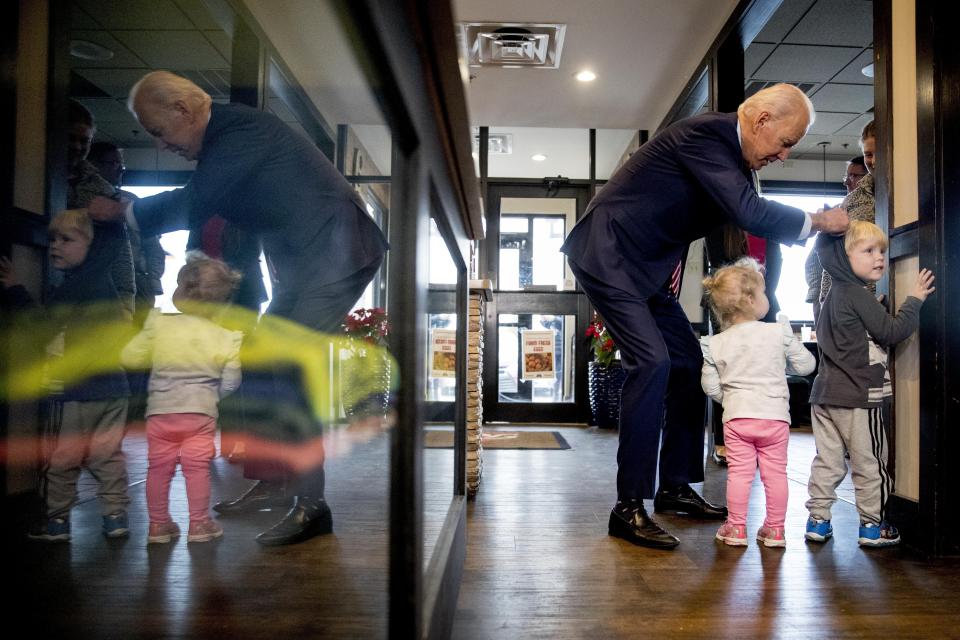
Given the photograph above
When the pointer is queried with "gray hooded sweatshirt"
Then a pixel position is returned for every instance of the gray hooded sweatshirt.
(853, 332)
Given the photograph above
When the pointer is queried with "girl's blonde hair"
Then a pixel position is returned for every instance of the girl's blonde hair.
(732, 289)
(863, 231)
(206, 280)
(72, 220)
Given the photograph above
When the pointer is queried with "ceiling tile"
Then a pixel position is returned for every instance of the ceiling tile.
(853, 73)
(124, 134)
(80, 19)
(755, 54)
(828, 123)
(809, 149)
(122, 57)
(783, 20)
(198, 14)
(798, 63)
(835, 22)
(843, 97)
(854, 128)
(279, 109)
(137, 14)
(107, 110)
(173, 49)
(114, 82)
(221, 41)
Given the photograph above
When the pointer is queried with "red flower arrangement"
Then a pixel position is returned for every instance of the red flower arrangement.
(368, 325)
(604, 350)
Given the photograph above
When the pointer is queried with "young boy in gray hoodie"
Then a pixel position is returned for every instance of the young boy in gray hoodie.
(853, 332)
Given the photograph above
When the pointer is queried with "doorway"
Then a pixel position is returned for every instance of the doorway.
(535, 361)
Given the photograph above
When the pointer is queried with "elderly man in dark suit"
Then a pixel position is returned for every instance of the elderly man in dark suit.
(263, 177)
(689, 179)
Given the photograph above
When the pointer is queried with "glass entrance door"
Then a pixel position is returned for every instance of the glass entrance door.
(534, 357)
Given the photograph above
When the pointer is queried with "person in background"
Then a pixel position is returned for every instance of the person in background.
(860, 203)
(149, 258)
(744, 368)
(813, 271)
(194, 362)
(88, 417)
(853, 384)
(84, 184)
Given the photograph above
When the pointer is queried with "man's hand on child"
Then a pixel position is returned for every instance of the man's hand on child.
(106, 210)
(833, 221)
(924, 286)
(8, 275)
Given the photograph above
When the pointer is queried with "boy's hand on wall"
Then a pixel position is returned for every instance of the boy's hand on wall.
(924, 286)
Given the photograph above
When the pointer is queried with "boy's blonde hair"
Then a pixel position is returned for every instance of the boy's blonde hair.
(207, 280)
(732, 289)
(72, 220)
(863, 231)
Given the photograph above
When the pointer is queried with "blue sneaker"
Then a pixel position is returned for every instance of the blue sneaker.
(52, 530)
(882, 535)
(818, 530)
(115, 525)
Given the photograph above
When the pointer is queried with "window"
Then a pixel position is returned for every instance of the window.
(792, 288)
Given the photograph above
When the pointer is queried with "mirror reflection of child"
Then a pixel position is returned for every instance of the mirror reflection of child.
(194, 363)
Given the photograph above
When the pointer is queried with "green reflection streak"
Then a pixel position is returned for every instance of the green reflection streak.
(95, 337)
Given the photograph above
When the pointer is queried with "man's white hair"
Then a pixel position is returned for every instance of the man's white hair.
(780, 100)
(163, 89)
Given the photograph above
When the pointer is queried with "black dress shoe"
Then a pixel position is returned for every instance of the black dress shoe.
(262, 495)
(719, 460)
(683, 499)
(629, 520)
(309, 517)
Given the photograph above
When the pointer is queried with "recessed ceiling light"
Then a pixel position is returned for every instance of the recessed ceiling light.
(538, 157)
(586, 76)
(86, 50)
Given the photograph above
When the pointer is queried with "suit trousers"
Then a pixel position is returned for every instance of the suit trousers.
(322, 308)
(661, 393)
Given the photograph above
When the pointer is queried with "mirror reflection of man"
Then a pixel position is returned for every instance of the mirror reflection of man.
(691, 178)
(260, 175)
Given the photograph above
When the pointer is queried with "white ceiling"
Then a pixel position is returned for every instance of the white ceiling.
(643, 52)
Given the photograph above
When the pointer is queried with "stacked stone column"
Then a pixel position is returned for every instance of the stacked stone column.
(475, 318)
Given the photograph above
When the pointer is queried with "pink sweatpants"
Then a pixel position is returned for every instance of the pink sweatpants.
(191, 437)
(751, 442)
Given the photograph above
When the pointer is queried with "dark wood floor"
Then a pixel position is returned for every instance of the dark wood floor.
(539, 565)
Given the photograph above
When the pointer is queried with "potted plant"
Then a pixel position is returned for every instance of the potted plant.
(365, 363)
(605, 376)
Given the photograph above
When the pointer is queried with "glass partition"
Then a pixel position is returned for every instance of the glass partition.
(441, 377)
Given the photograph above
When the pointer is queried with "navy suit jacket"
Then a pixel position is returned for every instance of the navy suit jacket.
(686, 181)
(260, 175)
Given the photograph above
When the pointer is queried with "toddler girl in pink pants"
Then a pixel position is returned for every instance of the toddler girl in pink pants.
(745, 369)
(194, 362)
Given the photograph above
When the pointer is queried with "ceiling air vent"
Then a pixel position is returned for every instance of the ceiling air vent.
(500, 144)
(513, 44)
